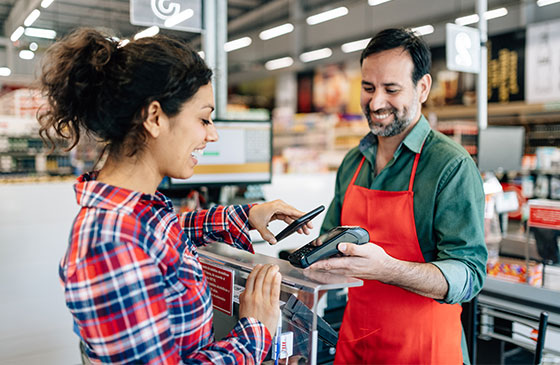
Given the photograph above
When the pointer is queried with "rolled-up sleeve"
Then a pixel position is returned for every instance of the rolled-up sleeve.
(459, 230)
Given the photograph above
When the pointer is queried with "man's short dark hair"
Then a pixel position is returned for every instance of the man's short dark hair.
(394, 38)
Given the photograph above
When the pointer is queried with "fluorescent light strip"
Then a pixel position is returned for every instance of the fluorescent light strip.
(148, 32)
(377, 2)
(327, 15)
(123, 43)
(496, 13)
(237, 44)
(490, 14)
(46, 3)
(354, 46)
(26, 54)
(315, 55)
(17, 33)
(31, 17)
(279, 63)
(201, 54)
(40, 33)
(276, 31)
(468, 19)
(423, 30)
(547, 2)
(178, 18)
(5, 71)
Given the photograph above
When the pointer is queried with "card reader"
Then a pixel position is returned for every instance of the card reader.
(326, 245)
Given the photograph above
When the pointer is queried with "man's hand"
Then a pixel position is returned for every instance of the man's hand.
(262, 214)
(368, 261)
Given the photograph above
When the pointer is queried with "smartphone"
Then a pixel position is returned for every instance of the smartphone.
(298, 223)
(326, 245)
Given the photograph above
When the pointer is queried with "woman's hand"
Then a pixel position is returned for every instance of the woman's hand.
(262, 214)
(260, 299)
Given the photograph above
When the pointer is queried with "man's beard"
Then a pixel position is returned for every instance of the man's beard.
(397, 126)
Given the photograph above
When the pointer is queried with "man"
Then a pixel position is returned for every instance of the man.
(420, 196)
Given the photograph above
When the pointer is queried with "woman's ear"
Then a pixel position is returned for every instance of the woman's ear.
(155, 119)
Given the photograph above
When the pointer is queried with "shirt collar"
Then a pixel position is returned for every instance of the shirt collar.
(413, 141)
(95, 194)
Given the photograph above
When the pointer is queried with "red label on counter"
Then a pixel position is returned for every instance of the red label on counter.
(544, 217)
(220, 280)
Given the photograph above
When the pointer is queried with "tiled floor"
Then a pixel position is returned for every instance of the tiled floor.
(35, 327)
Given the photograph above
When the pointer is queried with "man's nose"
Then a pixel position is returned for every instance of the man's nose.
(377, 101)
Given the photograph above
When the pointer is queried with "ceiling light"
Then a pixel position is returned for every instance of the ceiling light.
(327, 15)
(31, 17)
(496, 13)
(5, 71)
(33, 46)
(315, 55)
(377, 2)
(148, 32)
(17, 33)
(466, 20)
(279, 63)
(46, 3)
(490, 14)
(178, 18)
(40, 33)
(26, 54)
(124, 42)
(277, 31)
(354, 46)
(237, 44)
(201, 54)
(547, 2)
(423, 30)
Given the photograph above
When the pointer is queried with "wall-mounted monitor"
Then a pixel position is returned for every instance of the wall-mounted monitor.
(242, 155)
(500, 148)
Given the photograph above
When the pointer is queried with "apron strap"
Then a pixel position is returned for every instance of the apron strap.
(357, 171)
(414, 166)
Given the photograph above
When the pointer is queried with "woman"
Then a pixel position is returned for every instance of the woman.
(131, 274)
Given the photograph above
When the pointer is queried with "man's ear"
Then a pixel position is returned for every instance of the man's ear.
(155, 119)
(424, 86)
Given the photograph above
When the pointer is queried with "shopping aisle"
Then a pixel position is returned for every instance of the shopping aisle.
(35, 326)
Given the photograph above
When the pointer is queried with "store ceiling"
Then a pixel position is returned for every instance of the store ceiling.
(249, 17)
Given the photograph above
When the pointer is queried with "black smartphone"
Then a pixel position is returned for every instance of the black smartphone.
(298, 223)
(326, 245)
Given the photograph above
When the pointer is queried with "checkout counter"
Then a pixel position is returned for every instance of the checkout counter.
(519, 305)
(304, 332)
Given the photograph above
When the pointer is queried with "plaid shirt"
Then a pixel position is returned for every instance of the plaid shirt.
(135, 287)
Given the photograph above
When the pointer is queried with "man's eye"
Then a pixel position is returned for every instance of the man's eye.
(206, 122)
(392, 91)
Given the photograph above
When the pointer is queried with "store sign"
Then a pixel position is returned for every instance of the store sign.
(544, 214)
(220, 281)
(462, 48)
(543, 62)
(185, 15)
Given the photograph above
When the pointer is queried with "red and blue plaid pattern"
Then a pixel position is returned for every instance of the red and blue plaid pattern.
(135, 287)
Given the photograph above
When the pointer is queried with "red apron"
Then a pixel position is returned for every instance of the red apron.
(385, 323)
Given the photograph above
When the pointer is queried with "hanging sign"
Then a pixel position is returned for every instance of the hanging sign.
(462, 45)
(185, 15)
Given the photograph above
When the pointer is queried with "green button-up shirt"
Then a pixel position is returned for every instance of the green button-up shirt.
(448, 202)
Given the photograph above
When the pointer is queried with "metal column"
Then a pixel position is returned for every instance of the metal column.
(482, 81)
(213, 40)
